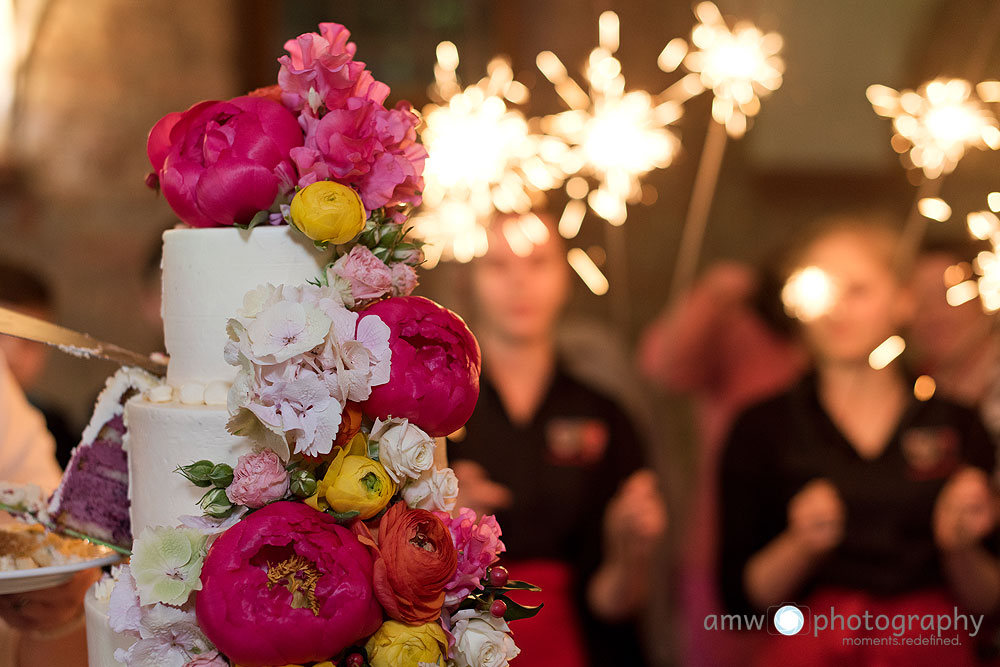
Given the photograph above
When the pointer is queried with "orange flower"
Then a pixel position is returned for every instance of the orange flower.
(415, 560)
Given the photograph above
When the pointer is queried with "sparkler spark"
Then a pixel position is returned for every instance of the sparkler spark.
(739, 65)
(936, 124)
(809, 294)
(483, 158)
(614, 137)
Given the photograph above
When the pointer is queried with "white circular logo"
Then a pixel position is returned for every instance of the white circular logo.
(788, 620)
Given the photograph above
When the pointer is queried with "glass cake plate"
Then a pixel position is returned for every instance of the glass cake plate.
(39, 578)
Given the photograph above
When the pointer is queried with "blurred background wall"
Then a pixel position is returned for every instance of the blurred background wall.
(101, 72)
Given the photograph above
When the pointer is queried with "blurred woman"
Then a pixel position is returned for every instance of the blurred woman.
(847, 493)
(560, 465)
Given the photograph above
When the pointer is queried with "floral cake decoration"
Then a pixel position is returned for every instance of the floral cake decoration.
(336, 542)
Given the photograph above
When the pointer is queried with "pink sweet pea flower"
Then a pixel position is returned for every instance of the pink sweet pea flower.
(434, 375)
(478, 545)
(287, 585)
(220, 163)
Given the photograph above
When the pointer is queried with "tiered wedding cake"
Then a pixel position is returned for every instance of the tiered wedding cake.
(289, 500)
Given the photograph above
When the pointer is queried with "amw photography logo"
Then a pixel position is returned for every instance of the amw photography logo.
(855, 629)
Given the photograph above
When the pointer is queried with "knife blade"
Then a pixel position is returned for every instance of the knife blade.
(72, 342)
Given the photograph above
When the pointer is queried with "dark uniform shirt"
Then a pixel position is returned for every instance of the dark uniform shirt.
(778, 446)
(562, 468)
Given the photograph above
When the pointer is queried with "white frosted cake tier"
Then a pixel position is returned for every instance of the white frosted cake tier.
(163, 436)
(206, 273)
(101, 640)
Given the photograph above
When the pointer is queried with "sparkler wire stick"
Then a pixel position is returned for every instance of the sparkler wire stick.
(702, 193)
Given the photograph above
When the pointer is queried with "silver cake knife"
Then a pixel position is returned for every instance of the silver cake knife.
(72, 342)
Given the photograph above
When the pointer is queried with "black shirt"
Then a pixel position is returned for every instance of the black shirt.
(562, 469)
(778, 446)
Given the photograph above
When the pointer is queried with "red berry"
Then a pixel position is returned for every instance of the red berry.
(498, 608)
(498, 576)
(354, 660)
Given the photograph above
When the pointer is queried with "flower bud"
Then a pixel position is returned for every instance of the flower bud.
(303, 483)
(221, 475)
(216, 504)
(198, 473)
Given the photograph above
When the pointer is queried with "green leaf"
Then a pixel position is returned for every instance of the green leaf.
(343, 517)
(517, 612)
(258, 219)
(517, 586)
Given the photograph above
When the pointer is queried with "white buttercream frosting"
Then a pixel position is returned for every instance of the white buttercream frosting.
(206, 272)
(163, 436)
(101, 641)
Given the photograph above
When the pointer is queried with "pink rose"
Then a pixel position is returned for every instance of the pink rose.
(220, 163)
(478, 545)
(258, 479)
(287, 585)
(434, 375)
(404, 279)
(368, 275)
(210, 659)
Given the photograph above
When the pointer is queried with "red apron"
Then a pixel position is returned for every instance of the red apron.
(552, 638)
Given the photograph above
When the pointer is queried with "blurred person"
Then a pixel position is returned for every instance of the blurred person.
(44, 627)
(958, 346)
(724, 345)
(26, 292)
(560, 465)
(849, 495)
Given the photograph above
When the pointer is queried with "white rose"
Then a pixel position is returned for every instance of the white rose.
(403, 449)
(482, 640)
(433, 490)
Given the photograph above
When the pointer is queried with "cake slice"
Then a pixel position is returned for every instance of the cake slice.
(93, 495)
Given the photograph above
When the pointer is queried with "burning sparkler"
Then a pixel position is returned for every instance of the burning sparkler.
(615, 137)
(936, 124)
(483, 158)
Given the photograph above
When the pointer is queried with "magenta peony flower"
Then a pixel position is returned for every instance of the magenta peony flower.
(287, 585)
(320, 73)
(368, 147)
(368, 276)
(434, 375)
(220, 163)
(258, 479)
(478, 545)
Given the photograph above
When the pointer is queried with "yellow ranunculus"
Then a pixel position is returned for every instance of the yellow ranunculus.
(397, 644)
(354, 483)
(329, 212)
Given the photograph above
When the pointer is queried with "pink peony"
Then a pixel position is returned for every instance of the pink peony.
(368, 147)
(220, 163)
(320, 73)
(404, 279)
(287, 585)
(434, 375)
(259, 478)
(210, 659)
(479, 547)
(368, 275)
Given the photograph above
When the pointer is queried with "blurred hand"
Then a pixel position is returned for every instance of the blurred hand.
(635, 519)
(49, 609)
(477, 491)
(965, 510)
(816, 516)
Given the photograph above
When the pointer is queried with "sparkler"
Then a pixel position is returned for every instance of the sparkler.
(936, 124)
(740, 66)
(483, 158)
(985, 226)
(615, 137)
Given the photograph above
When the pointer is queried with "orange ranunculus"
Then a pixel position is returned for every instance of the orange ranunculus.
(415, 560)
(350, 424)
